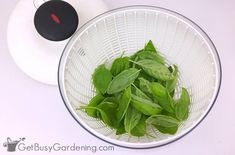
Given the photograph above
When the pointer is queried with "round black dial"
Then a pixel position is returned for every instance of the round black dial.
(56, 20)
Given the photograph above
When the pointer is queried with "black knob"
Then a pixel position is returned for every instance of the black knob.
(56, 20)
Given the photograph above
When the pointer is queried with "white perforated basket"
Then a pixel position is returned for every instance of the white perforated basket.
(128, 29)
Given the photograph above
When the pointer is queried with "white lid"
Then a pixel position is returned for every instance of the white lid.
(36, 56)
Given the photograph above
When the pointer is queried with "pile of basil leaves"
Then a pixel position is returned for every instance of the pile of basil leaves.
(137, 92)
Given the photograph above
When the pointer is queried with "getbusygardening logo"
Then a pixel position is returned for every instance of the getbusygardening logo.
(11, 145)
(20, 145)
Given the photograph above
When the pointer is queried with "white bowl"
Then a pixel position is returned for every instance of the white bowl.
(128, 29)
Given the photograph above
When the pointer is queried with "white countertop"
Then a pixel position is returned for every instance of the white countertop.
(35, 111)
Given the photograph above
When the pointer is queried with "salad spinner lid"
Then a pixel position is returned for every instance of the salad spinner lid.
(37, 34)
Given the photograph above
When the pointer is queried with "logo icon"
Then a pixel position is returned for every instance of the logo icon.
(11, 145)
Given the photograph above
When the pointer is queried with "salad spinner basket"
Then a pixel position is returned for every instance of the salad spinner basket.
(127, 30)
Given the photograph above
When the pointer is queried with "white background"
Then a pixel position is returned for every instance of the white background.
(35, 111)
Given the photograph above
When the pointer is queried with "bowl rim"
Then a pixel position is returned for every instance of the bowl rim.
(153, 144)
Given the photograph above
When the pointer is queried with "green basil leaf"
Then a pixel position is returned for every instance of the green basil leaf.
(171, 84)
(96, 100)
(103, 115)
(151, 56)
(182, 105)
(134, 58)
(119, 65)
(136, 83)
(145, 86)
(163, 97)
(101, 78)
(181, 111)
(110, 110)
(124, 103)
(164, 112)
(155, 69)
(147, 107)
(184, 97)
(113, 99)
(123, 80)
(167, 130)
(146, 76)
(150, 47)
(140, 129)
(136, 91)
(164, 124)
(132, 118)
(162, 120)
(120, 129)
